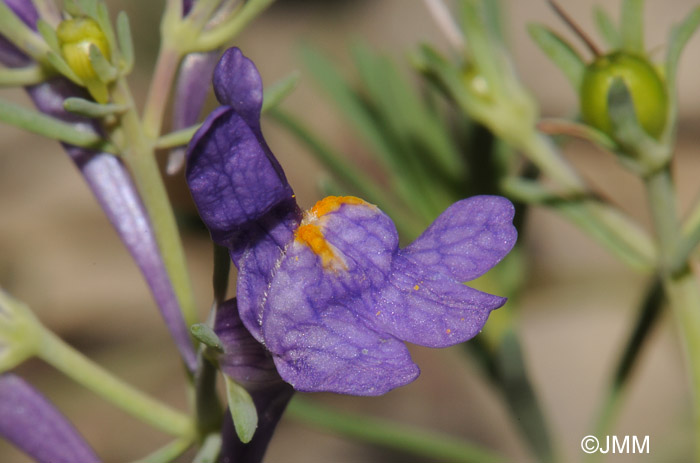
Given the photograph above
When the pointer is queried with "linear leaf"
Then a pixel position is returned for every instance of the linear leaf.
(632, 26)
(607, 28)
(49, 127)
(560, 52)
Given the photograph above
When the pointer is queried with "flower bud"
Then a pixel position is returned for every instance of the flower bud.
(644, 83)
(75, 36)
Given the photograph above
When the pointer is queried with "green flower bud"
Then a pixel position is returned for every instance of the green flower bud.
(75, 37)
(644, 83)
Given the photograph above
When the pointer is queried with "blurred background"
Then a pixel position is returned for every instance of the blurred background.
(59, 254)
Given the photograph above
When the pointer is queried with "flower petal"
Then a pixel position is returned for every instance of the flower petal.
(427, 308)
(34, 425)
(266, 240)
(311, 324)
(238, 84)
(467, 239)
(234, 180)
(244, 359)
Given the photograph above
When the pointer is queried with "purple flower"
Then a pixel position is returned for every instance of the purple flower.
(329, 292)
(30, 422)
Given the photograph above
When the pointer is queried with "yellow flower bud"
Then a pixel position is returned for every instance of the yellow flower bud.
(75, 36)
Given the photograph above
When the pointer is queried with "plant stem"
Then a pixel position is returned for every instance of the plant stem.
(541, 152)
(141, 161)
(73, 364)
(391, 435)
(159, 90)
(647, 318)
(681, 287)
(684, 296)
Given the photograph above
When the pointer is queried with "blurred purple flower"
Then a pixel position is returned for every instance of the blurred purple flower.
(329, 292)
(31, 423)
(110, 182)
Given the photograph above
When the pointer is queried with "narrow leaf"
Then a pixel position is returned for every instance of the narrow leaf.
(63, 68)
(90, 108)
(494, 18)
(210, 449)
(607, 28)
(393, 435)
(49, 127)
(72, 8)
(21, 77)
(48, 33)
(102, 19)
(347, 100)
(278, 91)
(206, 336)
(242, 408)
(104, 69)
(632, 26)
(560, 52)
(126, 44)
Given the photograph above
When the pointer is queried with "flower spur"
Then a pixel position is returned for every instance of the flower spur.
(329, 292)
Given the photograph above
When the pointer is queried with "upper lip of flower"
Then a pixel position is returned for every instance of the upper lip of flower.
(329, 293)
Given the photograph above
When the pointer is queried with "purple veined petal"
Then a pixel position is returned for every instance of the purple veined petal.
(238, 84)
(264, 242)
(467, 239)
(320, 342)
(430, 309)
(244, 360)
(32, 423)
(247, 362)
(233, 179)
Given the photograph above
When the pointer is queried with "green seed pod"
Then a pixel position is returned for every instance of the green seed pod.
(75, 36)
(646, 88)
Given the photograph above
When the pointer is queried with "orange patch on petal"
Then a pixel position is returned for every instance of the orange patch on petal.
(312, 236)
(332, 203)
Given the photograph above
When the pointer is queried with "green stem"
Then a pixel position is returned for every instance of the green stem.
(218, 36)
(647, 319)
(139, 156)
(604, 222)
(392, 435)
(681, 286)
(159, 90)
(73, 364)
(684, 296)
(541, 152)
